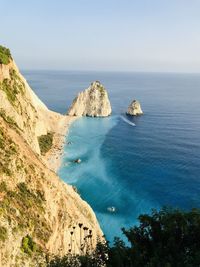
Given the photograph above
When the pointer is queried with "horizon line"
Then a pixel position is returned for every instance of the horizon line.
(112, 71)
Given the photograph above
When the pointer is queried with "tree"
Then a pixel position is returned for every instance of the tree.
(166, 238)
(119, 254)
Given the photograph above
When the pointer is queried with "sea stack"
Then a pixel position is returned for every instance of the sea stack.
(134, 108)
(93, 102)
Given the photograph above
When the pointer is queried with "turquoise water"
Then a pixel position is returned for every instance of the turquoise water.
(132, 168)
(98, 177)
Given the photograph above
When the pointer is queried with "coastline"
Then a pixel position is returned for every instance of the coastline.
(54, 155)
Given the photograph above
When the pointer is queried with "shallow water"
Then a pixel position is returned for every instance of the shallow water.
(132, 164)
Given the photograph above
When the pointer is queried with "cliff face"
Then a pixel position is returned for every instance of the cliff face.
(27, 110)
(92, 102)
(39, 214)
(134, 108)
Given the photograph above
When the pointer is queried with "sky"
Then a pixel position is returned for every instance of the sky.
(110, 35)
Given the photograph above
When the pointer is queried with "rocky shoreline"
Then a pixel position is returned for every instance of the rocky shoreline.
(53, 158)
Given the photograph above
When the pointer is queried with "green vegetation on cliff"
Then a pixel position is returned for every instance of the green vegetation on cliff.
(8, 119)
(7, 150)
(101, 90)
(22, 206)
(5, 55)
(45, 142)
(12, 87)
(3, 234)
(28, 245)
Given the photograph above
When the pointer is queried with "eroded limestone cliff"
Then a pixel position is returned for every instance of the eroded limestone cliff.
(39, 214)
(26, 109)
(93, 102)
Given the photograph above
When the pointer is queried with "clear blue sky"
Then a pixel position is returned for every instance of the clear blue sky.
(134, 35)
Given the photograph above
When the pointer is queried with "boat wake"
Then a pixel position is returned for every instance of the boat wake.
(127, 121)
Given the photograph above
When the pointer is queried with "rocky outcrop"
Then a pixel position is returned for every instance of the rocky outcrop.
(39, 214)
(21, 104)
(92, 102)
(134, 108)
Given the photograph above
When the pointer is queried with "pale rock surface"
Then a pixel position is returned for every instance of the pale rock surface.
(4, 71)
(134, 108)
(29, 112)
(61, 207)
(93, 102)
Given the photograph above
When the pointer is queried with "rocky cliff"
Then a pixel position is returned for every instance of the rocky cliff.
(134, 108)
(39, 214)
(24, 107)
(92, 102)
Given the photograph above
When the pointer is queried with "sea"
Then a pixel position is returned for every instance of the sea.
(130, 165)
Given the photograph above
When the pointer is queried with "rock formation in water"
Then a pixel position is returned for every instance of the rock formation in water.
(92, 102)
(39, 214)
(134, 108)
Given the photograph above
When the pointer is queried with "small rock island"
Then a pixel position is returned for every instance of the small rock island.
(92, 102)
(134, 108)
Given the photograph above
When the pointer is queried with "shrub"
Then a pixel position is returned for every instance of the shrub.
(168, 237)
(3, 186)
(12, 87)
(30, 206)
(3, 234)
(10, 90)
(28, 245)
(165, 238)
(7, 149)
(5, 55)
(45, 142)
(8, 119)
(23, 188)
(66, 261)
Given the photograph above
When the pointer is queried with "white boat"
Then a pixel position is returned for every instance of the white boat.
(111, 209)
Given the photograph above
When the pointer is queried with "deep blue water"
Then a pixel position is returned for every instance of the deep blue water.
(134, 169)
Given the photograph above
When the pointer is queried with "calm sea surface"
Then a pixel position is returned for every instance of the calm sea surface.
(131, 168)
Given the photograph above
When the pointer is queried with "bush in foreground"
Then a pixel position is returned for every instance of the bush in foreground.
(166, 238)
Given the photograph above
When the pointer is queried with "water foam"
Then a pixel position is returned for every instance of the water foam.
(127, 121)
